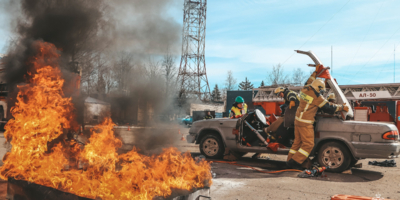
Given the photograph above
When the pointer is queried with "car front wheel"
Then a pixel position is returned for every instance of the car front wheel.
(211, 146)
(335, 155)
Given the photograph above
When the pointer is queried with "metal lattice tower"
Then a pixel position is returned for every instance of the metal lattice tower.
(192, 71)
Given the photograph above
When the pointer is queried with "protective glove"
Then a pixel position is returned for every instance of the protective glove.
(292, 104)
(345, 108)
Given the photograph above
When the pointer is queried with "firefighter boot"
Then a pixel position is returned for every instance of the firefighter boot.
(294, 165)
(307, 164)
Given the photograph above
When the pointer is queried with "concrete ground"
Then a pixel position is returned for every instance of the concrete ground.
(233, 182)
(240, 183)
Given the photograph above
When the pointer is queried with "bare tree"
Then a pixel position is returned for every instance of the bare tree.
(299, 77)
(223, 94)
(88, 73)
(230, 82)
(170, 72)
(122, 69)
(277, 76)
(153, 69)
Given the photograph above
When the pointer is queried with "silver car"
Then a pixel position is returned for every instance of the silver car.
(339, 143)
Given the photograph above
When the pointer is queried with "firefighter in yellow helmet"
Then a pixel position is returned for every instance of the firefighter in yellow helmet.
(239, 108)
(291, 100)
(311, 100)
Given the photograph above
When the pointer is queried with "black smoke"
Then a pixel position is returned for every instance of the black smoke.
(81, 28)
(71, 25)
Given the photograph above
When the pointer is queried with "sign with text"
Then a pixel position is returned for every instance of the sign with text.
(372, 95)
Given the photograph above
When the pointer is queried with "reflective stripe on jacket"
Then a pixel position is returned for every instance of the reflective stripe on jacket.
(310, 102)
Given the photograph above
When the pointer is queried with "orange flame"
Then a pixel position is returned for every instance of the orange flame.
(40, 116)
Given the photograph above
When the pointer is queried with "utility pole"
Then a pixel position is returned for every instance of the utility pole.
(394, 63)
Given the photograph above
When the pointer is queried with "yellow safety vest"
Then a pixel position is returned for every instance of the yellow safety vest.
(238, 111)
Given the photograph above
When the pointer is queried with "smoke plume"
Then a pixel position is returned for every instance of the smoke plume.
(91, 35)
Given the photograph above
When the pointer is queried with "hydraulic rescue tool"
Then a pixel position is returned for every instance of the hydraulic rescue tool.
(313, 172)
(257, 133)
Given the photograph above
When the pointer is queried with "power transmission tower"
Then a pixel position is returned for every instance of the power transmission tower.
(192, 70)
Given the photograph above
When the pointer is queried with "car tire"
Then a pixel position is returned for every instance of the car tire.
(335, 155)
(211, 146)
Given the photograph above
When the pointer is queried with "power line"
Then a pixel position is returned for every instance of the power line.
(317, 31)
(357, 73)
(390, 58)
(366, 33)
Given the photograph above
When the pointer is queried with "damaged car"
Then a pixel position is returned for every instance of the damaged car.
(339, 141)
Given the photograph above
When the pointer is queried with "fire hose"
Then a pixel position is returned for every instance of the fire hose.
(267, 172)
(257, 133)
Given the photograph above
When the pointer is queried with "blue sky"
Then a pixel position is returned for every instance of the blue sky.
(250, 36)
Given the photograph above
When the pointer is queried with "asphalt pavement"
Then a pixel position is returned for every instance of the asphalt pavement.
(241, 183)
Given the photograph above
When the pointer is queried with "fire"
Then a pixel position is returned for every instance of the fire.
(42, 113)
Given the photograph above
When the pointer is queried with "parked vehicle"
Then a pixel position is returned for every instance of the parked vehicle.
(339, 143)
(188, 120)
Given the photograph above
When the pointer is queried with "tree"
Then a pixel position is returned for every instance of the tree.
(216, 94)
(246, 85)
(230, 82)
(122, 70)
(277, 76)
(168, 64)
(262, 84)
(298, 77)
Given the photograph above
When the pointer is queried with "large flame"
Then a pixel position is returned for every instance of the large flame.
(40, 116)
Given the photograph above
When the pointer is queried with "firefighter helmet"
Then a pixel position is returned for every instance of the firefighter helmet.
(318, 85)
(279, 90)
(331, 97)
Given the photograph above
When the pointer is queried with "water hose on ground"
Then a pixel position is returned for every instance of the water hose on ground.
(267, 172)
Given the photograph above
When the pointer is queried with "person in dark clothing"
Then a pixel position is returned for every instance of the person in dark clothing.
(291, 100)
(208, 116)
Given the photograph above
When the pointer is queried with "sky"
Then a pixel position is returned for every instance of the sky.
(249, 37)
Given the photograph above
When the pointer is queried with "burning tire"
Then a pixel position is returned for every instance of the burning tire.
(211, 146)
(335, 155)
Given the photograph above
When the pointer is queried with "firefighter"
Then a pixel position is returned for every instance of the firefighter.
(291, 100)
(239, 108)
(331, 98)
(311, 100)
(208, 116)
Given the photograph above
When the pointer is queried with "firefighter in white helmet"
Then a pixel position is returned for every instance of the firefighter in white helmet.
(311, 100)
